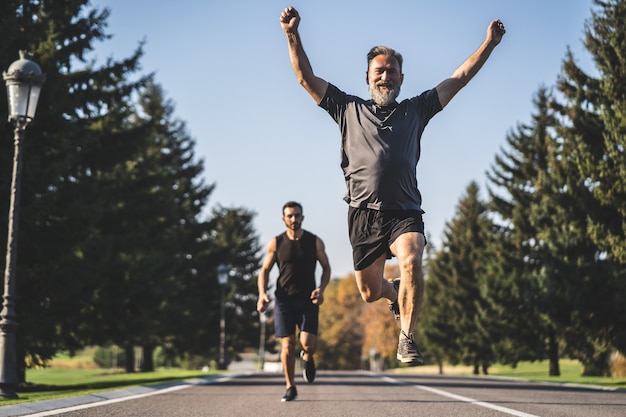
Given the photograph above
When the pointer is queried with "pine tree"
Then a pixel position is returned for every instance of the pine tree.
(599, 106)
(592, 162)
(454, 321)
(227, 237)
(150, 204)
(518, 179)
(79, 124)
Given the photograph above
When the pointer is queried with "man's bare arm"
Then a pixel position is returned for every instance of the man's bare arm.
(315, 86)
(448, 88)
(264, 275)
(320, 252)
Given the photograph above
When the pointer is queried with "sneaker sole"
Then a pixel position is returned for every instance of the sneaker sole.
(412, 361)
(310, 381)
(304, 373)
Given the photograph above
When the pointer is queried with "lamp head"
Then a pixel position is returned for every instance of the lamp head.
(222, 274)
(23, 80)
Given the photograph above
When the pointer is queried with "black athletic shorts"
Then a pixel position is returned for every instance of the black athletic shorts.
(373, 231)
(292, 312)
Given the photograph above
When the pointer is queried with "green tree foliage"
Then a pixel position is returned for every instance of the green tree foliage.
(228, 238)
(81, 126)
(455, 322)
(242, 253)
(593, 189)
(112, 246)
(150, 204)
(519, 180)
(596, 110)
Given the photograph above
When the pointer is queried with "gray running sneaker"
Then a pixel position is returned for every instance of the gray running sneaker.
(395, 307)
(290, 395)
(407, 351)
(309, 370)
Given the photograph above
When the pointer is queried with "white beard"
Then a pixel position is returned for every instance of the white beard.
(384, 97)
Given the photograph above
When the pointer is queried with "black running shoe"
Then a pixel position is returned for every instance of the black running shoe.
(290, 395)
(395, 307)
(309, 370)
(407, 351)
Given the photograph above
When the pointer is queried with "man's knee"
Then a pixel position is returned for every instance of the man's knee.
(369, 293)
(368, 296)
(370, 281)
(288, 343)
(308, 340)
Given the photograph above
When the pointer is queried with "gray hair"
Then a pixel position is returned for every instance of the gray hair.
(383, 50)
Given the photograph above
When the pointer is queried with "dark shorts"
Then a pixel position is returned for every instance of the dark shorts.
(292, 312)
(373, 231)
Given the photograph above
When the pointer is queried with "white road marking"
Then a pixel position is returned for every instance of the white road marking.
(157, 391)
(462, 398)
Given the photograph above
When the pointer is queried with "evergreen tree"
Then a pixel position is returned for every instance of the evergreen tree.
(592, 166)
(519, 177)
(150, 204)
(111, 246)
(456, 321)
(228, 237)
(81, 124)
(440, 309)
(599, 106)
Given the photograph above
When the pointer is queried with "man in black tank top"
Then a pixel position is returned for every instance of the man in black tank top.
(297, 296)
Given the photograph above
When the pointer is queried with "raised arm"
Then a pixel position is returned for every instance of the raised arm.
(466, 71)
(315, 86)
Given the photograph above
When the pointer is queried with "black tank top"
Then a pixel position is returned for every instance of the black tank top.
(296, 265)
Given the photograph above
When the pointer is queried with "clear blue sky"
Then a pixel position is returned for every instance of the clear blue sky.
(224, 64)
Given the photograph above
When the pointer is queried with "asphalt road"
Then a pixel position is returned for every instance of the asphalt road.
(352, 394)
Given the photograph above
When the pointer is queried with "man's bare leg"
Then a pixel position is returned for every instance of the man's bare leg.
(309, 345)
(372, 284)
(288, 359)
(408, 249)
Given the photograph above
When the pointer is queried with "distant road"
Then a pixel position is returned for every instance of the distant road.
(355, 394)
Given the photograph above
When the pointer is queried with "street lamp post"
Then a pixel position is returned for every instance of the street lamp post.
(23, 80)
(222, 278)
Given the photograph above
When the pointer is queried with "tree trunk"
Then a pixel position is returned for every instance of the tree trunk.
(129, 351)
(553, 354)
(147, 365)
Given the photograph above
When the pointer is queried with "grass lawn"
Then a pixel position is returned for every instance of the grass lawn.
(571, 373)
(70, 376)
(53, 383)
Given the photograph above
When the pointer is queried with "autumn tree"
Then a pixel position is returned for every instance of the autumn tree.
(340, 338)
(380, 332)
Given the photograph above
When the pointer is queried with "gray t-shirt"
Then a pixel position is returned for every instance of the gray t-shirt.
(380, 147)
